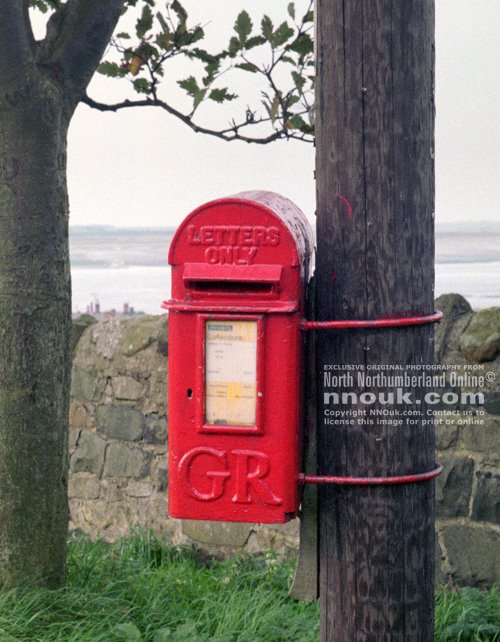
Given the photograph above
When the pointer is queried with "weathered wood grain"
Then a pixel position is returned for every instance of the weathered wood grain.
(375, 191)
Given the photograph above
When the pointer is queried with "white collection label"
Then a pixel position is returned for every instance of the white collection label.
(231, 372)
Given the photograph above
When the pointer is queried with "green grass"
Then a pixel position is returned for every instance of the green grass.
(467, 615)
(140, 590)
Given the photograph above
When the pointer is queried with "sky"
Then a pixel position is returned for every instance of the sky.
(142, 167)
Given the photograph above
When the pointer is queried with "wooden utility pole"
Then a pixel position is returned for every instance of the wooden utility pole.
(375, 190)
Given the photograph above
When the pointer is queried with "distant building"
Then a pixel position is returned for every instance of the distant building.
(94, 309)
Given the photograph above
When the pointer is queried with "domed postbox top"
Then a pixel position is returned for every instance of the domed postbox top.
(248, 251)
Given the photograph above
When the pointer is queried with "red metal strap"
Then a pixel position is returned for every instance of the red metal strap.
(374, 323)
(370, 481)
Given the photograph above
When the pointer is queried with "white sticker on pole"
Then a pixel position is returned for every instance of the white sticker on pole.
(231, 372)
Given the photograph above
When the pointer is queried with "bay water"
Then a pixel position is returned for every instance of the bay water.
(116, 266)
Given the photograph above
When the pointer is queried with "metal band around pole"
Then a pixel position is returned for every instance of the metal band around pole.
(347, 324)
(370, 481)
(374, 323)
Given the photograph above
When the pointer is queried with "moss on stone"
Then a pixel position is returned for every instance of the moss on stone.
(138, 335)
(481, 340)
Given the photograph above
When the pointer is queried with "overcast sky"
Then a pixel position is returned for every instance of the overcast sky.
(143, 168)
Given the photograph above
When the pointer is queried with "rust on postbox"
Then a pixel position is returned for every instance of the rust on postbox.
(240, 266)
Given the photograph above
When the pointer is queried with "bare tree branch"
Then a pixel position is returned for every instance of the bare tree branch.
(76, 43)
(229, 134)
(15, 50)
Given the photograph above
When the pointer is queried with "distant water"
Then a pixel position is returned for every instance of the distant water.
(468, 263)
(129, 265)
(117, 266)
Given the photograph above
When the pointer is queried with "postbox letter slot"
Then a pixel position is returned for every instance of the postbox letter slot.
(232, 279)
(235, 287)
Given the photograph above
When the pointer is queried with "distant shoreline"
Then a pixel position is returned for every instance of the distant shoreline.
(118, 266)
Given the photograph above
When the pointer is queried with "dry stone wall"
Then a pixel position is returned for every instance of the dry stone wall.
(118, 434)
(468, 446)
(118, 427)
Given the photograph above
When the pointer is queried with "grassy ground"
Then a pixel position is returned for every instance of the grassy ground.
(139, 590)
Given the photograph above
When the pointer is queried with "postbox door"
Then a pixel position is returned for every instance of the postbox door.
(233, 439)
(231, 368)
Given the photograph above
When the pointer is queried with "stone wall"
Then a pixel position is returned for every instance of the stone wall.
(468, 446)
(119, 428)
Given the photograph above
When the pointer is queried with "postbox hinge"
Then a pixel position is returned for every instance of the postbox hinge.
(390, 322)
(370, 481)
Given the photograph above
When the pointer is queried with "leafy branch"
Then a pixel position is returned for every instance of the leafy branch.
(282, 57)
(45, 5)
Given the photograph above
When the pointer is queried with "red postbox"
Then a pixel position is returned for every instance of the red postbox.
(240, 267)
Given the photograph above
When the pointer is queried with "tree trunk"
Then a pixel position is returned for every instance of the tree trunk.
(375, 187)
(35, 317)
(41, 83)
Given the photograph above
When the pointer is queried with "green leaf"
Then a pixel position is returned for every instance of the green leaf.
(211, 71)
(181, 14)
(243, 26)
(234, 46)
(248, 66)
(212, 68)
(128, 632)
(123, 35)
(297, 122)
(221, 95)
(291, 10)
(267, 28)
(186, 632)
(199, 97)
(193, 36)
(44, 5)
(282, 34)
(309, 17)
(275, 105)
(254, 42)
(145, 22)
(163, 635)
(162, 21)
(190, 85)
(40, 5)
(291, 101)
(303, 45)
(147, 51)
(204, 56)
(142, 86)
(112, 70)
(298, 80)
(163, 40)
